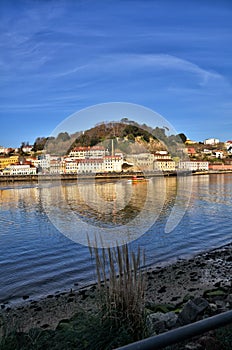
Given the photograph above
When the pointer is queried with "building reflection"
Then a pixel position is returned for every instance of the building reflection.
(112, 202)
(19, 197)
(108, 202)
(116, 202)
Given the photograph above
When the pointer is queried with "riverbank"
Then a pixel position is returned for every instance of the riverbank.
(67, 177)
(165, 285)
(110, 176)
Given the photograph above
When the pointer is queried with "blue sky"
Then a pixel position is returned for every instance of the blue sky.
(58, 57)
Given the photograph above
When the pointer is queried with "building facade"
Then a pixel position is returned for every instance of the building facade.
(5, 161)
(143, 161)
(220, 167)
(94, 165)
(88, 152)
(166, 165)
(211, 141)
(19, 169)
(192, 165)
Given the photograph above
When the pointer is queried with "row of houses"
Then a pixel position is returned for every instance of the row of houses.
(215, 141)
(220, 154)
(86, 160)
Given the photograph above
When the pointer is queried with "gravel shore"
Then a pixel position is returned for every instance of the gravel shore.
(170, 284)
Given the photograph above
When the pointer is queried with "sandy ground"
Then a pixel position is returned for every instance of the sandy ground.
(168, 284)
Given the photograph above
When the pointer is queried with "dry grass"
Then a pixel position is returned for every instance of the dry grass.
(121, 285)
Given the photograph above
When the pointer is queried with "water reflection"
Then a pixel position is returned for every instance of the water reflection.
(101, 203)
(36, 258)
(111, 204)
(114, 210)
(114, 203)
(18, 196)
(213, 189)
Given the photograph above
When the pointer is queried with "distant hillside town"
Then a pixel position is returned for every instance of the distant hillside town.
(128, 149)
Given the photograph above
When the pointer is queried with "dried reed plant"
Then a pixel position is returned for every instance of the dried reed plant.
(121, 285)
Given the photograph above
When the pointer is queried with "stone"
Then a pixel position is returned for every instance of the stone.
(209, 342)
(229, 299)
(25, 297)
(191, 310)
(83, 294)
(159, 322)
(162, 289)
(217, 284)
(193, 279)
(221, 305)
(193, 346)
(213, 307)
(45, 326)
(175, 298)
(64, 324)
(39, 308)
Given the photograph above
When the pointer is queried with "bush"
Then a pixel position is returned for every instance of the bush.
(121, 287)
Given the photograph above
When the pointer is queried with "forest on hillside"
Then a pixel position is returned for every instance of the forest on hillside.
(127, 134)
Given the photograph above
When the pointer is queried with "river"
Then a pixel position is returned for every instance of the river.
(43, 227)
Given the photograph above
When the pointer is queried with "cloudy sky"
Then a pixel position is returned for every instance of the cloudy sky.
(58, 57)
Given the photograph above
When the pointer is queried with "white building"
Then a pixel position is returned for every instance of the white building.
(112, 163)
(84, 166)
(192, 165)
(19, 169)
(219, 154)
(163, 162)
(91, 165)
(88, 152)
(3, 149)
(56, 166)
(94, 165)
(27, 148)
(228, 145)
(43, 161)
(161, 154)
(71, 167)
(164, 165)
(207, 151)
(211, 141)
(142, 160)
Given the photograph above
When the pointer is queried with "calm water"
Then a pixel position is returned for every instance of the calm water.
(36, 259)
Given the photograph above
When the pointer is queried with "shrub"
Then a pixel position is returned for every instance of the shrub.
(121, 287)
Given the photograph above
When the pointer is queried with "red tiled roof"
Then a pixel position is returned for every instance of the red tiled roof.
(88, 148)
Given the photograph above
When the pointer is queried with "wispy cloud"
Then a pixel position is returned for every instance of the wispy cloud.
(71, 71)
(161, 61)
(67, 53)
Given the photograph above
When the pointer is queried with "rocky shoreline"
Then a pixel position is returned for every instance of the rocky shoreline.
(168, 288)
(193, 276)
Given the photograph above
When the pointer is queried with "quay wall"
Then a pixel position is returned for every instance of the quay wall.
(63, 177)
